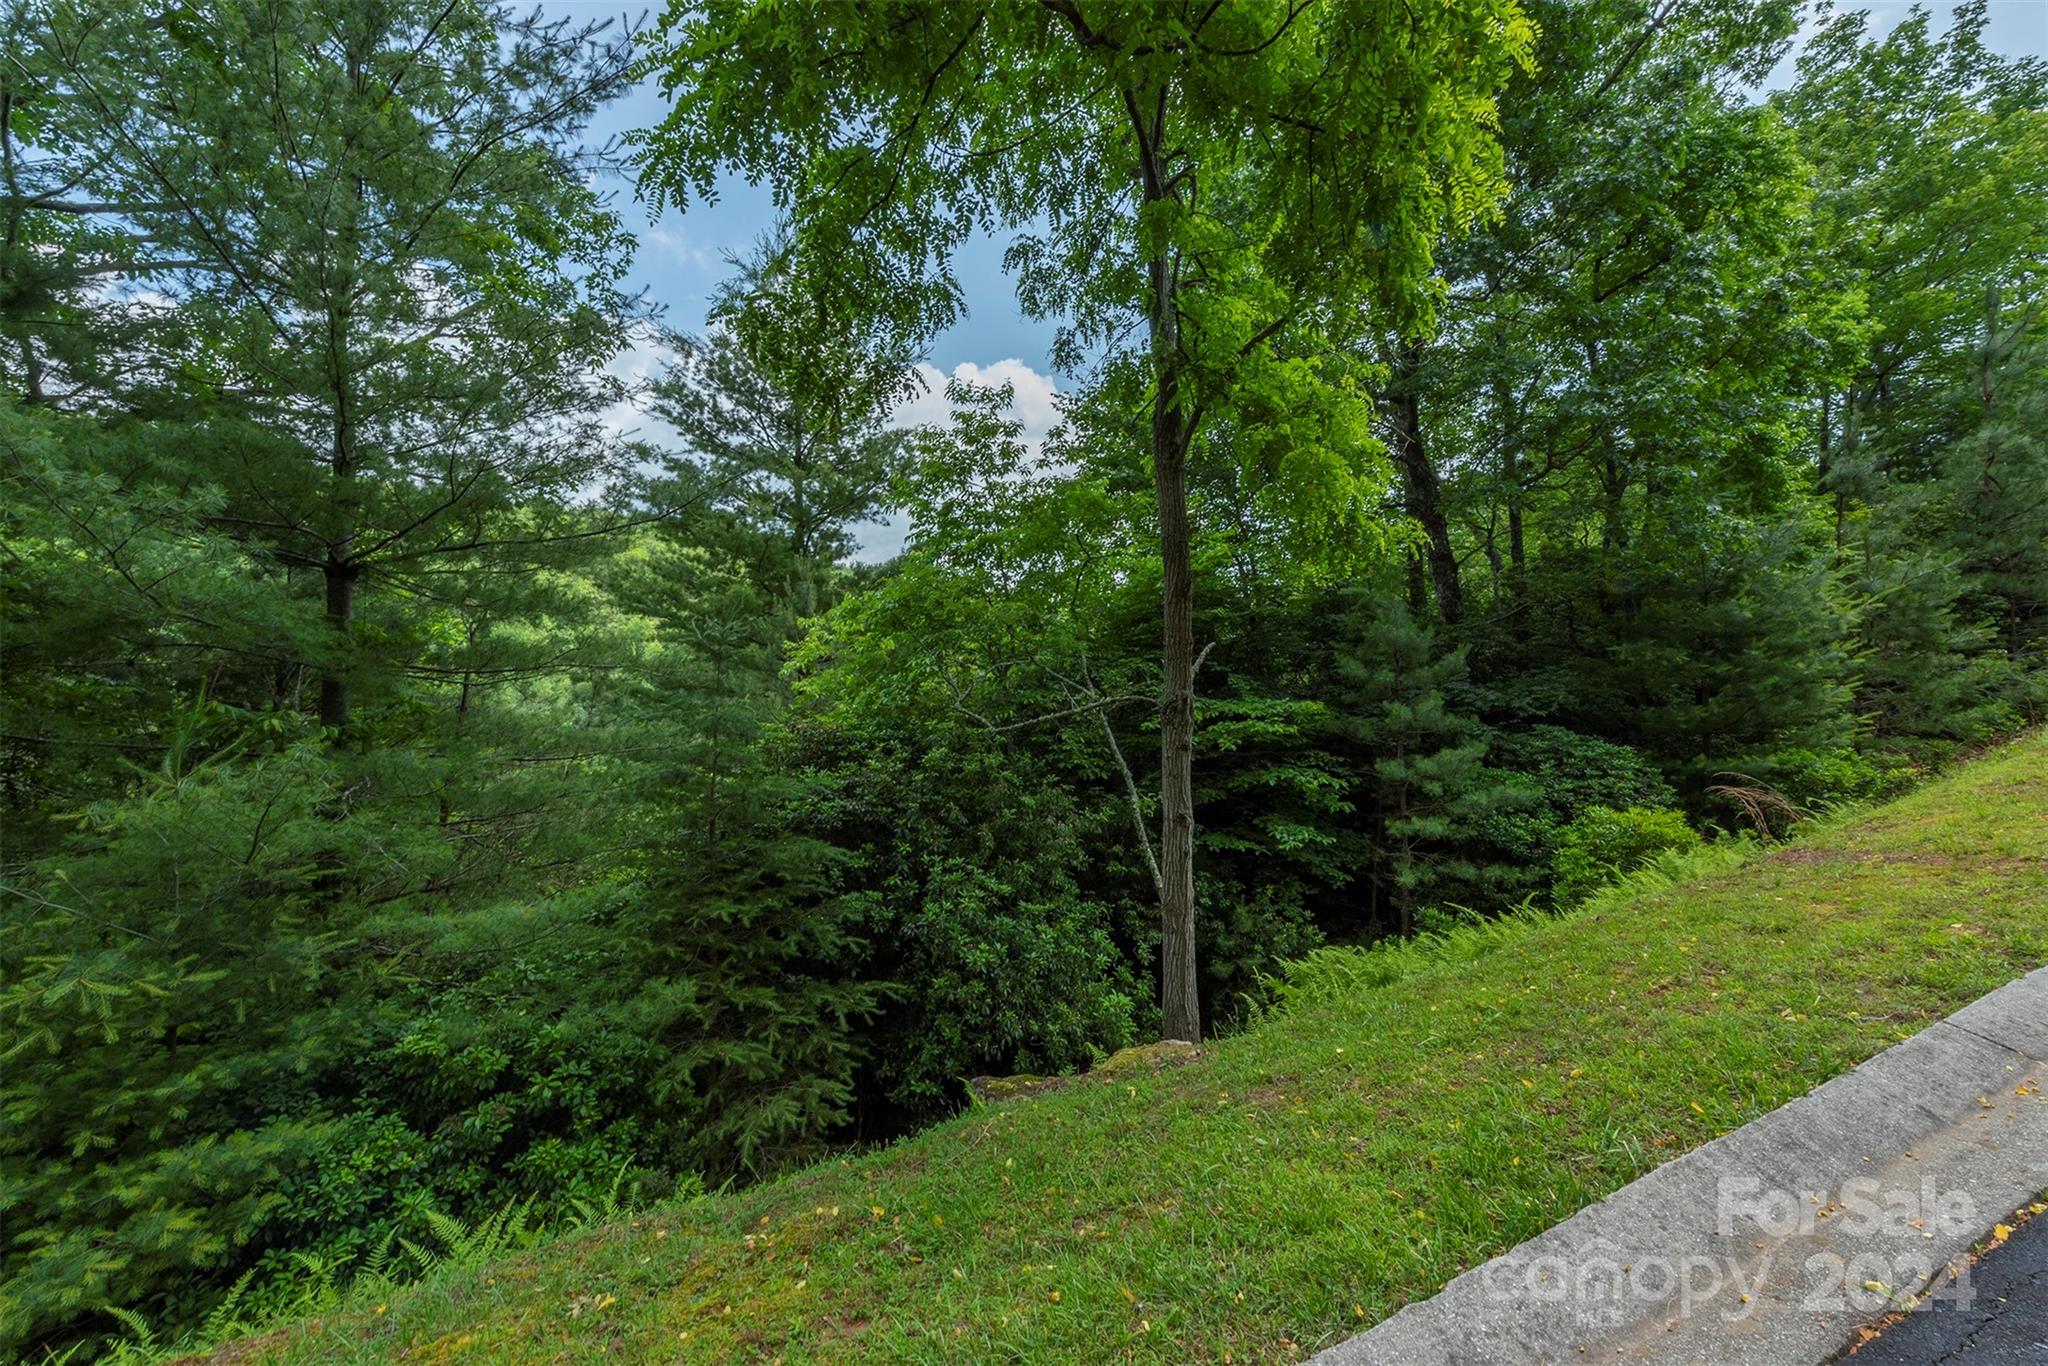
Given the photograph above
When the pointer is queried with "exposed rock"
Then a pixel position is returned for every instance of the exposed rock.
(1004, 1088)
(1140, 1060)
(1147, 1058)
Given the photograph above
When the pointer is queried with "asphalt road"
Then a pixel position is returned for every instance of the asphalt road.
(2005, 1325)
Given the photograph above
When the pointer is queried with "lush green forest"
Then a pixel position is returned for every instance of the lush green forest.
(1501, 444)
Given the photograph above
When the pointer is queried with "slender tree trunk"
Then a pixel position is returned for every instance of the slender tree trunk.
(340, 567)
(1845, 449)
(1405, 859)
(1613, 490)
(340, 576)
(31, 364)
(1508, 413)
(1990, 489)
(1827, 422)
(1825, 463)
(1179, 1006)
(1420, 487)
(1614, 474)
(1990, 353)
(1518, 555)
(1179, 1001)
(1512, 491)
(803, 531)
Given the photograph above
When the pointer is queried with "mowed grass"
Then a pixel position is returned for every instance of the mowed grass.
(1297, 1183)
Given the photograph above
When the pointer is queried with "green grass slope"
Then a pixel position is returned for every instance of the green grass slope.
(1295, 1184)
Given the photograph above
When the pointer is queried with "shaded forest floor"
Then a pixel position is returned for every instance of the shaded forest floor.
(1298, 1182)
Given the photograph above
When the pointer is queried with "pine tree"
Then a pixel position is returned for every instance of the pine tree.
(1740, 648)
(1929, 675)
(745, 942)
(783, 407)
(1429, 790)
(379, 291)
(1996, 482)
(1289, 165)
(388, 279)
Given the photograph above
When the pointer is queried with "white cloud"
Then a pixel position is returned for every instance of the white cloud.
(877, 541)
(680, 249)
(1034, 401)
(2013, 28)
(641, 360)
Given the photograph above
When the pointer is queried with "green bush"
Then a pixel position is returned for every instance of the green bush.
(147, 1118)
(972, 885)
(1830, 778)
(1815, 780)
(1563, 773)
(1602, 844)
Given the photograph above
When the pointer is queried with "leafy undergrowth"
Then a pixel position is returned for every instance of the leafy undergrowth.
(1299, 1182)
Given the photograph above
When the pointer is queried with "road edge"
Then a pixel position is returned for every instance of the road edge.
(1773, 1244)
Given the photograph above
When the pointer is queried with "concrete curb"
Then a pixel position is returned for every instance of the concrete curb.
(1763, 1245)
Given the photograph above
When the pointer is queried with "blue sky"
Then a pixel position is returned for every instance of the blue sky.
(682, 255)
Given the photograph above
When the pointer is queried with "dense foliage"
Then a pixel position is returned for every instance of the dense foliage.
(421, 799)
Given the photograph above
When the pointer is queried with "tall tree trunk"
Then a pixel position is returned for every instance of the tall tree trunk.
(340, 577)
(1613, 493)
(1508, 413)
(1845, 450)
(1511, 486)
(31, 363)
(1179, 1005)
(1404, 861)
(1990, 352)
(1827, 422)
(340, 568)
(1613, 472)
(1421, 489)
(1518, 555)
(1179, 1002)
